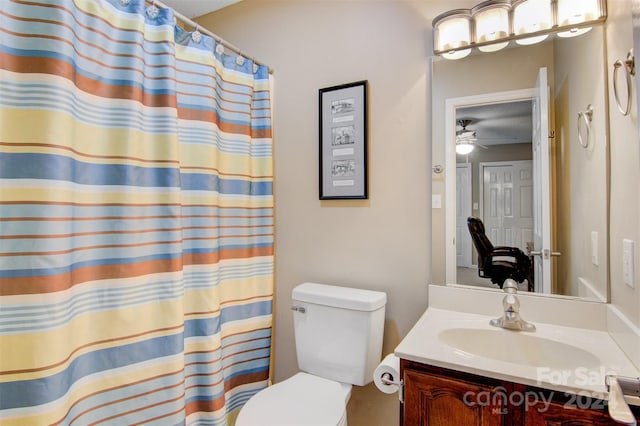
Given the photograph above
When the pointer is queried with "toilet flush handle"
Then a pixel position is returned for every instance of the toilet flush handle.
(300, 309)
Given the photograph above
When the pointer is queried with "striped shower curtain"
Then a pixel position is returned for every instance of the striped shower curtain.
(136, 218)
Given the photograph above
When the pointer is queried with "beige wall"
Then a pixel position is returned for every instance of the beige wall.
(580, 174)
(382, 243)
(625, 169)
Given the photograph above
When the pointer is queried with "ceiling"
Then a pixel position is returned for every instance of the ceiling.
(499, 123)
(193, 8)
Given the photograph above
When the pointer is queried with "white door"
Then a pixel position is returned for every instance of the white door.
(508, 203)
(542, 190)
(463, 211)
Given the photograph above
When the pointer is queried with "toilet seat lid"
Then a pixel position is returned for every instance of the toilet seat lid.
(302, 400)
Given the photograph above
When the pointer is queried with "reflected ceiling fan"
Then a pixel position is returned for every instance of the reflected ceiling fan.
(466, 140)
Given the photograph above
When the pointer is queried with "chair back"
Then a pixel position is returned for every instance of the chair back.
(480, 239)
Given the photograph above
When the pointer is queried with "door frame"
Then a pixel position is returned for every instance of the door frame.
(542, 235)
(451, 105)
(468, 257)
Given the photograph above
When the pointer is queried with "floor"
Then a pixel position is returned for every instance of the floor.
(469, 276)
(370, 407)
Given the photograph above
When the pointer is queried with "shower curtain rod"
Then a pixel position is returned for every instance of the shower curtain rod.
(180, 17)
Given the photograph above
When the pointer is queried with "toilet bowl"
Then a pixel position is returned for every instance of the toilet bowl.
(302, 400)
(338, 336)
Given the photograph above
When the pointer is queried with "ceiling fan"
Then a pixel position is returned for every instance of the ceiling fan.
(466, 140)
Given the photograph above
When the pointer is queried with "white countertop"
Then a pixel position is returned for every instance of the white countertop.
(425, 344)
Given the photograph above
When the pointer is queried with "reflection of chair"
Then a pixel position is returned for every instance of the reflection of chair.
(498, 263)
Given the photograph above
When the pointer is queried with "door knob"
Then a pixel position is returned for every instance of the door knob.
(546, 253)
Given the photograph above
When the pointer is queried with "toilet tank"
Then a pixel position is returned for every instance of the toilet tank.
(338, 331)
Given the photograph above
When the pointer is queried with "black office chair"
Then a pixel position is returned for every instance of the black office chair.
(499, 263)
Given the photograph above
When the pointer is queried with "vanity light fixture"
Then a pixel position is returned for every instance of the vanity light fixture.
(492, 24)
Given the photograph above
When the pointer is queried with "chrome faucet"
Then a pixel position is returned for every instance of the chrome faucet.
(511, 319)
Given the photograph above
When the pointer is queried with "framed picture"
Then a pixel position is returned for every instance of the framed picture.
(343, 142)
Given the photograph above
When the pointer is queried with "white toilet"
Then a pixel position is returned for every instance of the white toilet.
(338, 334)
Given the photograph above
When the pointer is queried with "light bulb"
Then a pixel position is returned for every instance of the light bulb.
(464, 148)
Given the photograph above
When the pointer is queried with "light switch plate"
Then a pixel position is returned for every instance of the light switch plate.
(436, 201)
(628, 266)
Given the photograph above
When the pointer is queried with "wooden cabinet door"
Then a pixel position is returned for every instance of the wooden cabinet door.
(557, 414)
(576, 411)
(435, 400)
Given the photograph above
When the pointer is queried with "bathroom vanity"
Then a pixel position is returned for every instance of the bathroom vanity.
(440, 396)
(459, 370)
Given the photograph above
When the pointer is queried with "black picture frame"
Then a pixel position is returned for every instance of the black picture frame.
(343, 141)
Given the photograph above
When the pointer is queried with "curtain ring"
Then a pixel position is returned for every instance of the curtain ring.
(585, 117)
(220, 48)
(196, 35)
(629, 67)
(153, 11)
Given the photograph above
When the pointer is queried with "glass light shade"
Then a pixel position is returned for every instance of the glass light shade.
(464, 148)
(492, 23)
(573, 32)
(530, 16)
(456, 54)
(531, 40)
(494, 47)
(572, 12)
(452, 30)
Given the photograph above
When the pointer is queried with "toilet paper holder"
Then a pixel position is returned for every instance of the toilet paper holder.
(387, 379)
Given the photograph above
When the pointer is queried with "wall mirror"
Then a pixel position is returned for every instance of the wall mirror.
(524, 183)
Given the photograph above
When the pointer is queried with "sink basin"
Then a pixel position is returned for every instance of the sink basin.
(517, 347)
